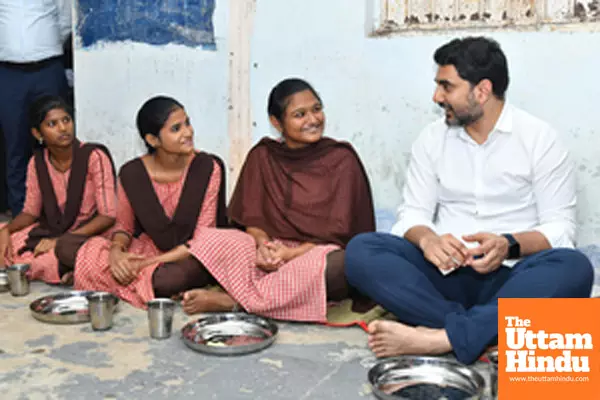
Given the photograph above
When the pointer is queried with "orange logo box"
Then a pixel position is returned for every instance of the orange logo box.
(549, 349)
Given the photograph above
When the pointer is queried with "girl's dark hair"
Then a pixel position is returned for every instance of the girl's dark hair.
(153, 115)
(42, 105)
(279, 98)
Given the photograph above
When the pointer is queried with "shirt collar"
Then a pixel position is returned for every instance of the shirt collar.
(505, 122)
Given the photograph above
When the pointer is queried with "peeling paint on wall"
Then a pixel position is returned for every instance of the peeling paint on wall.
(156, 22)
(407, 15)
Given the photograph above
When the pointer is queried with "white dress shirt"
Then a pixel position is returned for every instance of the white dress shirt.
(520, 179)
(33, 30)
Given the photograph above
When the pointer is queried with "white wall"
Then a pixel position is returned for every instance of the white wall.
(113, 80)
(377, 91)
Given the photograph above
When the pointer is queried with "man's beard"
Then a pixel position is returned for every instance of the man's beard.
(472, 113)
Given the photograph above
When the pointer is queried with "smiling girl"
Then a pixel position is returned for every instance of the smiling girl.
(300, 199)
(168, 198)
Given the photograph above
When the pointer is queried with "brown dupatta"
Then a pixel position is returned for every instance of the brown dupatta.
(318, 194)
(149, 213)
(52, 222)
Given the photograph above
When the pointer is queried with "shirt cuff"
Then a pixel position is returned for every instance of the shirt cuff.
(405, 224)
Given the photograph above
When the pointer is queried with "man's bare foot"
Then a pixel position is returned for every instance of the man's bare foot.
(67, 279)
(200, 300)
(389, 339)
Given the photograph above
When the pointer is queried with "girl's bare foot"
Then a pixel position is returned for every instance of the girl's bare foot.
(200, 300)
(389, 339)
(177, 297)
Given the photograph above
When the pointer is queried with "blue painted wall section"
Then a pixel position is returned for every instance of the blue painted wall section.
(156, 22)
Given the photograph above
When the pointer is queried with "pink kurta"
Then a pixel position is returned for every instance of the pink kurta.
(92, 271)
(295, 292)
(98, 197)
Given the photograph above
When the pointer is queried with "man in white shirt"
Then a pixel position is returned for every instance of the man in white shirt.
(32, 33)
(488, 212)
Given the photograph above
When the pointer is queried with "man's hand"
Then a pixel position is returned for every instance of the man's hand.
(491, 252)
(445, 252)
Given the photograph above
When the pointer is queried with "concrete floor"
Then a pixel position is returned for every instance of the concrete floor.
(43, 361)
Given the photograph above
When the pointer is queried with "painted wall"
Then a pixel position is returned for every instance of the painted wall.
(131, 51)
(377, 91)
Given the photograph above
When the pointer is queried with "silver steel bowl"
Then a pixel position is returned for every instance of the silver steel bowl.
(425, 378)
(63, 308)
(4, 285)
(229, 334)
(492, 356)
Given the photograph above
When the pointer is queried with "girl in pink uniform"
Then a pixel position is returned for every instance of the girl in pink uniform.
(169, 201)
(70, 196)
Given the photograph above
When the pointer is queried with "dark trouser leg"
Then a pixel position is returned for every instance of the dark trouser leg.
(19, 89)
(13, 118)
(50, 80)
(335, 279)
(337, 285)
(171, 279)
(66, 250)
(3, 187)
(394, 273)
(554, 273)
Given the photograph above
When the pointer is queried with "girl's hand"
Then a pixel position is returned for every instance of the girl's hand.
(44, 246)
(264, 259)
(5, 246)
(280, 253)
(124, 266)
